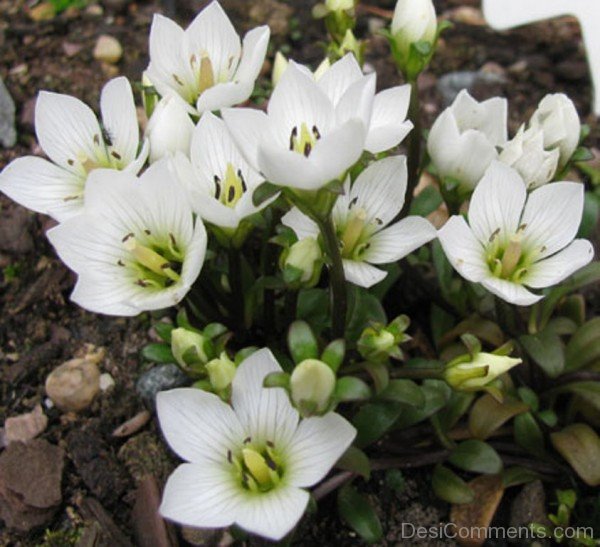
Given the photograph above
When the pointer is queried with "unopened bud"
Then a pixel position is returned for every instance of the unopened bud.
(188, 347)
(468, 373)
(312, 384)
(221, 372)
(305, 258)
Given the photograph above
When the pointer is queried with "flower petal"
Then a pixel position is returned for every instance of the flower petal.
(272, 514)
(254, 50)
(203, 496)
(489, 117)
(511, 292)
(497, 203)
(120, 119)
(224, 95)
(552, 216)
(389, 126)
(357, 102)
(198, 425)
(554, 269)
(66, 129)
(318, 443)
(339, 77)
(463, 249)
(266, 414)
(362, 273)
(43, 187)
(399, 240)
(302, 225)
(248, 128)
(102, 296)
(380, 189)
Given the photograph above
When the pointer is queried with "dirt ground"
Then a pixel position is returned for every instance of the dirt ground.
(40, 328)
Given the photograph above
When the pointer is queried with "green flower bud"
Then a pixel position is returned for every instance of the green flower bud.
(471, 373)
(311, 385)
(221, 372)
(188, 347)
(339, 5)
(303, 262)
(379, 342)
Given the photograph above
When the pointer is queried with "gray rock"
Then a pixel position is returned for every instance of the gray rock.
(8, 132)
(159, 378)
(450, 85)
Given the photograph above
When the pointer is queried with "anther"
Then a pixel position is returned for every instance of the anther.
(217, 187)
(247, 440)
(147, 232)
(293, 136)
(121, 263)
(97, 139)
(229, 456)
(352, 202)
(71, 162)
(307, 149)
(128, 236)
(494, 234)
(115, 155)
(316, 132)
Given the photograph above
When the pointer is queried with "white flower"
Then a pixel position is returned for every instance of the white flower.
(249, 464)
(361, 217)
(526, 153)
(134, 246)
(414, 21)
(206, 64)
(217, 176)
(170, 128)
(71, 136)
(462, 142)
(304, 141)
(281, 63)
(513, 240)
(557, 117)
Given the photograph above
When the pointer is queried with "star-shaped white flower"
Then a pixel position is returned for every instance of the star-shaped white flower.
(206, 64)
(513, 240)
(361, 217)
(69, 132)
(219, 179)
(249, 463)
(462, 141)
(135, 245)
(308, 137)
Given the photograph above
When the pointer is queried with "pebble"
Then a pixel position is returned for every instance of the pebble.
(73, 385)
(108, 49)
(25, 427)
(449, 85)
(8, 132)
(529, 506)
(106, 381)
(159, 378)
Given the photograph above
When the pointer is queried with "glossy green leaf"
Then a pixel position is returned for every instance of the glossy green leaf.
(158, 353)
(333, 354)
(374, 420)
(449, 487)
(404, 391)
(355, 460)
(427, 201)
(487, 414)
(547, 350)
(514, 476)
(355, 509)
(302, 342)
(476, 456)
(529, 435)
(350, 388)
(579, 444)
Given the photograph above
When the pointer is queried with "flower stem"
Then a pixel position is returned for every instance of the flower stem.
(337, 280)
(414, 147)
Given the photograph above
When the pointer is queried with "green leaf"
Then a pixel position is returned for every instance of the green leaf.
(403, 391)
(302, 343)
(333, 354)
(591, 213)
(582, 154)
(426, 201)
(158, 353)
(264, 192)
(588, 391)
(580, 446)
(379, 374)
(529, 435)
(355, 460)
(277, 379)
(356, 510)
(164, 331)
(476, 456)
(394, 479)
(449, 487)
(584, 347)
(547, 350)
(514, 476)
(487, 414)
(350, 388)
(363, 309)
(313, 307)
(437, 393)
(374, 420)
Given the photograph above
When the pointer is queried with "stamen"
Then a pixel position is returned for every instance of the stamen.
(316, 132)
(293, 136)
(217, 187)
(115, 155)
(130, 234)
(177, 79)
(97, 139)
(206, 78)
(494, 234)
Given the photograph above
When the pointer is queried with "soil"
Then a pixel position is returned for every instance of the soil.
(40, 328)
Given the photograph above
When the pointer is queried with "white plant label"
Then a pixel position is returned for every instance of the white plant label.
(505, 14)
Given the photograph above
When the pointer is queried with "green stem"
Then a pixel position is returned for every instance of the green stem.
(237, 289)
(414, 147)
(337, 280)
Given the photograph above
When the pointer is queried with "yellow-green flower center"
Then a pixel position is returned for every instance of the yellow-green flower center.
(303, 140)
(509, 259)
(355, 233)
(231, 188)
(258, 469)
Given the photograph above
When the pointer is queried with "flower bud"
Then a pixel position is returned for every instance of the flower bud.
(350, 45)
(468, 373)
(378, 342)
(304, 259)
(414, 21)
(188, 347)
(339, 5)
(557, 117)
(170, 128)
(311, 385)
(221, 372)
(279, 66)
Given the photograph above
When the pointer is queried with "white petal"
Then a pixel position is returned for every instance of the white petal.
(272, 514)
(552, 216)
(265, 413)
(362, 274)
(102, 296)
(203, 496)
(398, 240)
(497, 203)
(357, 101)
(319, 443)
(198, 425)
(511, 292)
(554, 269)
(287, 168)
(248, 128)
(339, 77)
(43, 187)
(463, 250)
(380, 189)
(120, 119)
(224, 95)
(489, 117)
(66, 129)
(388, 122)
(254, 50)
(302, 225)
(212, 33)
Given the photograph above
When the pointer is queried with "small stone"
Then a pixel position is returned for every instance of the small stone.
(73, 385)
(26, 426)
(42, 12)
(110, 71)
(106, 381)
(95, 10)
(159, 378)
(71, 49)
(450, 85)
(8, 133)
(27, 117)
(468, 16)
(108, 49)
(529, 506)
